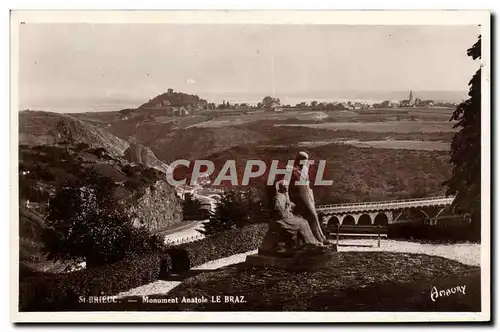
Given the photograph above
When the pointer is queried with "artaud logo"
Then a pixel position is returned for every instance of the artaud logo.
(296, 172)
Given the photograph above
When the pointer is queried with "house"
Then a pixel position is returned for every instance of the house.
(394, 104)
(180, 111)
(358, 106)
(344, 106)
(427, 103)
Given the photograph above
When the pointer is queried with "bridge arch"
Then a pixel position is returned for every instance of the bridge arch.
(365, 219)
(333, 221)
(381, 219)
(348, 220)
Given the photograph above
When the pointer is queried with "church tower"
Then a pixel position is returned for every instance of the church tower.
(411, 99)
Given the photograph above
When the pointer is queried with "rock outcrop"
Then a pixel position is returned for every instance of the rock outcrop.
(159, 208)
(143, 155)
(47, 128)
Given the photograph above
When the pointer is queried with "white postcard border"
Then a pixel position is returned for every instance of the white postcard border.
(369, 17)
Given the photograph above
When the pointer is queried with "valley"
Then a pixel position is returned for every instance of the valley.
(375, 154)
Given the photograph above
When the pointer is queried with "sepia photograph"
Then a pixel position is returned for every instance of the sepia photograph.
(257, 166)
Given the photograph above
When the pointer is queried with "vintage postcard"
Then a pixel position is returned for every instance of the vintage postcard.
(250, 166)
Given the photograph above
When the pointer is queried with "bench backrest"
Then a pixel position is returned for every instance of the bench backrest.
(361, 229)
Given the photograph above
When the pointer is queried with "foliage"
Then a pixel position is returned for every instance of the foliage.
(465, 181)
(235, 209)
(61, 292)
(442, 232)
(86, 222)
(28, 190)
(175, 99)
(191, 209)
(270, 102)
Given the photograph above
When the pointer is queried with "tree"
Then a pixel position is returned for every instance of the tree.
(465, 181)
(235, 209)
(270, 102)
(86, 223)
(191, 208)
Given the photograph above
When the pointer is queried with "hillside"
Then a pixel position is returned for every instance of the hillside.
(195, 143)
(53, 129)
(174, 99)
(46, 128)
(358, 174)
(149, 199)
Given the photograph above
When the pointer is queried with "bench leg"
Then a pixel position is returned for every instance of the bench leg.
(378, 227)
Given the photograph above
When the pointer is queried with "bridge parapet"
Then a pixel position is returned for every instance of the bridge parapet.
(385, 205)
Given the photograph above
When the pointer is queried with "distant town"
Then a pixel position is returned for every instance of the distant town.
(181, 104)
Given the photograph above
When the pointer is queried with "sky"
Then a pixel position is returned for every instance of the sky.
(61, 62)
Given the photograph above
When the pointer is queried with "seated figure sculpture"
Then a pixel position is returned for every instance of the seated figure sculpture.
(287, 233)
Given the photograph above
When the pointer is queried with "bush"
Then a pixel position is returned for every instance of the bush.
(61, 292)
(236, 209)
(421, 231)
(79, 147)
(224, 244)
(87, 223)
(192, 209)
(28, 189)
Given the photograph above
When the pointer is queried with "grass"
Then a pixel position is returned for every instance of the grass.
(403, 144)
(357, 281)
(402, 126)
(358, 174)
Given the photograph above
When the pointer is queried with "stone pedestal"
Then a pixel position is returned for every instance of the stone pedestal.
(300, 261)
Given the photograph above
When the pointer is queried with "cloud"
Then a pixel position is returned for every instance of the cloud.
(190, 81)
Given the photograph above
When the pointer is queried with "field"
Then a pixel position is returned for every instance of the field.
(402, 144)
(402, 126)
(371, 154)
(429, 119)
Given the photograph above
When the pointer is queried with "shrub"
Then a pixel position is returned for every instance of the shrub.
(129, 170)
(81, 147)
(134, 184)
(151, 175)
(421, 231)
(61, 292)
(223, 244)
(236, 209)
(28, 189)
(98, 152)
(86, 223)
(191, 209)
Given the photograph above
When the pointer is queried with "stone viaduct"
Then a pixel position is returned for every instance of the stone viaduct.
(384, 212)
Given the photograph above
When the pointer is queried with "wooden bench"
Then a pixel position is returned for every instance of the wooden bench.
(361, 230)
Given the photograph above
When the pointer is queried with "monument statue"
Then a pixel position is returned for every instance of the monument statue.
(303, 197)
(287, 232)
(294, 240)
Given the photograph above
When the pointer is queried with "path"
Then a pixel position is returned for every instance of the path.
(466, 253)
(184, 232)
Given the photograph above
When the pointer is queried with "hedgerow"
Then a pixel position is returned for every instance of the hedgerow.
(219, 245)
(61, 291)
